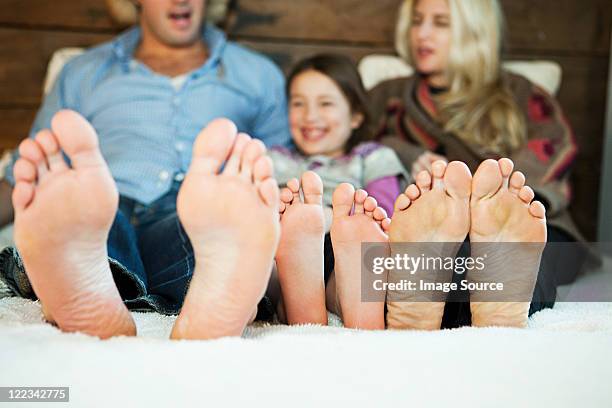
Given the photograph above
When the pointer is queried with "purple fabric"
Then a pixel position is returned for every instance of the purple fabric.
(385, 190)
(364, 149)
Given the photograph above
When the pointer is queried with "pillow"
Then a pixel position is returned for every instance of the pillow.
(5, 159)
(378, 68)
(58, 60)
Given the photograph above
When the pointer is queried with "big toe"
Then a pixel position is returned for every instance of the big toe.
(458, 180)
(312, 186)
(77, 138)
(213, 146)
(487, 179)
(342, 200)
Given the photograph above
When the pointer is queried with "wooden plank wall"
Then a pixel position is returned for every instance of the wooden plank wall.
(574, 33)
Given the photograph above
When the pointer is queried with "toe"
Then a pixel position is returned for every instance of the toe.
(386, 224)
(402, 202)
(294, 186)
(33, 152)
(413, 192)
(268, 191)
(50, 146)
(537, 210)
(262, 169)
(380, 214)
(24, 170)
(526, 194)
(458, 180)
(77, 138)
(369, 205)
(213, 146)
(42, 168)
(423, 181)
(254, 149)
(232, 167)
(517, 182)
(437, 171)
(342, 200)
(23, 194)
(360, 197)
(487, 179)
(286, 195)
(505, 166)
(312, 186)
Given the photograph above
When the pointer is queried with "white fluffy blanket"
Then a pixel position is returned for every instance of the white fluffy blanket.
(564, 359)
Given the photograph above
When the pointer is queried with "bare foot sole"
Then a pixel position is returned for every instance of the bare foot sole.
(62, 218)
(435, 212)
(510, 229)
(231, 218)
(299, 258)
(368, 223)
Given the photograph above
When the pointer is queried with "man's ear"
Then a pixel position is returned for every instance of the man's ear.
(356, 120)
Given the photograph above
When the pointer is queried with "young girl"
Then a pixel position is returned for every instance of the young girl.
(328, 117)
(460, 105)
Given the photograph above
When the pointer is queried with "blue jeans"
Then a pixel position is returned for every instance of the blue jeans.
(150, 256)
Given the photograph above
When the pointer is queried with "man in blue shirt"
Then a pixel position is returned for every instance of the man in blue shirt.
(147, 94)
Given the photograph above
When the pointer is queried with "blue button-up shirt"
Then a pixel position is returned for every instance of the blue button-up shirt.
(147, 127)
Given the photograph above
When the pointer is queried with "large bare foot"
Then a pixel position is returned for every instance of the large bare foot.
(434, 210)
(368, 224)
(503, 213)
(299, 258)
(62, 218)
(231, 218)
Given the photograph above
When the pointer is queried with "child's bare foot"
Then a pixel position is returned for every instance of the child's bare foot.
(231, 218)
(299, 258)
(62, 218)
(434, 210)
(369, 223)
(502, 212)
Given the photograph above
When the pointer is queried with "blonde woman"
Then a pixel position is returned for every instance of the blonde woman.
(461, 105)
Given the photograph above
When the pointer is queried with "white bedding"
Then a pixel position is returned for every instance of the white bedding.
(564, 359)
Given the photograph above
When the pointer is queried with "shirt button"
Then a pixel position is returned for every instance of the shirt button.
(179, 177)
(176, 101)
(180, 146)
(164, 175)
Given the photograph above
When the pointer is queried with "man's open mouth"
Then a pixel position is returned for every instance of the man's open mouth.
(181, 19)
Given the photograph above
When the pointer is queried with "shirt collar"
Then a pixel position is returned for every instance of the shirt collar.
(125, 45)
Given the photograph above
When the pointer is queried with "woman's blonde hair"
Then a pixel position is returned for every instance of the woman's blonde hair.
(478, 107)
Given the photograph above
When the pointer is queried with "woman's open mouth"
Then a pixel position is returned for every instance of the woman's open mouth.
(424, 52)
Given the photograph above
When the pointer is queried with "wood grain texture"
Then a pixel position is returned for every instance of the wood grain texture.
(544, 25)
(566, 26)
(15, 126)
(25, 55)
(85, 15)
(350, 21)
(574, 33)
